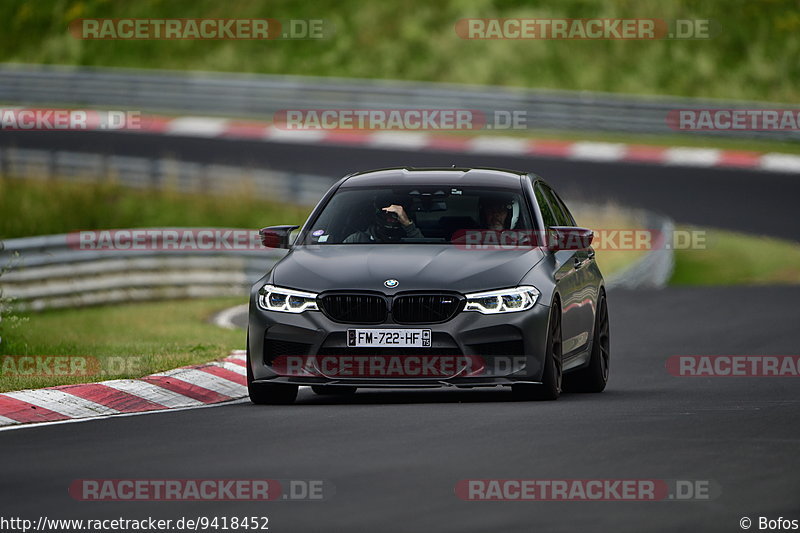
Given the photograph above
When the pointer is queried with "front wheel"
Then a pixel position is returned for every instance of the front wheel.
(550, 389)
(594, 377)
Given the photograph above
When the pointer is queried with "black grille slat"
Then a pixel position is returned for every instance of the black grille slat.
(425, 308)
(354, 308)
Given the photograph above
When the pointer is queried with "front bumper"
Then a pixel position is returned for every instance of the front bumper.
(499, 349)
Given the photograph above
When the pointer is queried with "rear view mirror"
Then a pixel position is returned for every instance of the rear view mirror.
(429, 202)
(569, 238)
(276, 236)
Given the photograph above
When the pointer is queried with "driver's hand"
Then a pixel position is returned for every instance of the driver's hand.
(400, 212)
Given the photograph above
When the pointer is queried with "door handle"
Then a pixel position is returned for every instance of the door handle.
(591, 254)
(578, 263)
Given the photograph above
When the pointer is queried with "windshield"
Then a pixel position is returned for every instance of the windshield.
(436, 215)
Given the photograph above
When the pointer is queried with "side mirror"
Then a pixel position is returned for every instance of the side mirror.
(276, 236)
(569, 238)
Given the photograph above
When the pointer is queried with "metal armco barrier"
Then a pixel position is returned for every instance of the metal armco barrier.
(46, 272)
(249, 96)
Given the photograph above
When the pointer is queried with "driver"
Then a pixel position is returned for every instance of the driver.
(391, 223)
(495, 212)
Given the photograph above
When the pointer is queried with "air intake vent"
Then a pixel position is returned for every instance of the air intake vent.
(275, 348)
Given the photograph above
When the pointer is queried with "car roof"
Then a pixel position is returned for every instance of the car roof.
(447, 176)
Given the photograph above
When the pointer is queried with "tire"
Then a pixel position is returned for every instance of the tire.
(268, 393)
(333, 390)
(594, 377)
(550, 389)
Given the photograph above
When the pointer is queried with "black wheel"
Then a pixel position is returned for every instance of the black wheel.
(268, 393)
(333, 390)
(594, 377)
(550, 389)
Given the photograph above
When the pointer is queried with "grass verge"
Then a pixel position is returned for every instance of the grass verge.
(124, 341)
(731, 258)
(32, 207)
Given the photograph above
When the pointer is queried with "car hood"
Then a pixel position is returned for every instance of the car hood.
(415, 267)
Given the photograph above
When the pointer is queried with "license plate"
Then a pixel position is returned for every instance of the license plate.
(389, 338)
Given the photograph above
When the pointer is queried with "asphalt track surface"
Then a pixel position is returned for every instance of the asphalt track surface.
(394, 457)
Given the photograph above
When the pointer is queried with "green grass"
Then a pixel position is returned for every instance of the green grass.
(752, 55)
(31, 207)
(128, 341)
(732, 258)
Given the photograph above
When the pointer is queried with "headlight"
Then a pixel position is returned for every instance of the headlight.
(503, 300)
(273, 298)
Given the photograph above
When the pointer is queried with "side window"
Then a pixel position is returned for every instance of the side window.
(564, 209)
(562, 218)
(544, 207)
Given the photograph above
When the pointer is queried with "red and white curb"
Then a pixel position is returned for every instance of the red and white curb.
(208, 127)
(185, 387)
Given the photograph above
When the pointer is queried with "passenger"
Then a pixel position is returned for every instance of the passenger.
(494, 213)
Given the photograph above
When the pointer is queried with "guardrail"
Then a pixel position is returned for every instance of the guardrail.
(49, 272)
(242, 95)
(654, 270)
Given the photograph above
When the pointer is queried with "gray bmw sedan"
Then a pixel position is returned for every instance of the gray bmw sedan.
(431, 277)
